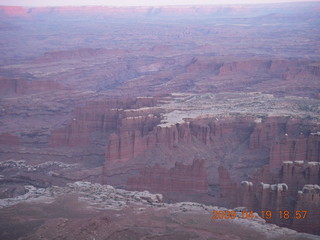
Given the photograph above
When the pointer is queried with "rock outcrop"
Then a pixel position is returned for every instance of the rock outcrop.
(20, 86)
(129, 144)
(227, 187)
(82, 210)
(181, 179)
(303, 148)
(283, 193)
(93, 122)
(308, 199)
(93, 117)
(132, 146)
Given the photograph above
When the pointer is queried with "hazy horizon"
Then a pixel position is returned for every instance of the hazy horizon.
(125, 3)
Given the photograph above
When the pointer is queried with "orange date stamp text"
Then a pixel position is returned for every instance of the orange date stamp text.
(268, 214)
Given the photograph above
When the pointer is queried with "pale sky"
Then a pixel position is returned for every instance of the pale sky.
(135, 2)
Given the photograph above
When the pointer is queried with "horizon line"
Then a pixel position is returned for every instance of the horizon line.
(158, 4)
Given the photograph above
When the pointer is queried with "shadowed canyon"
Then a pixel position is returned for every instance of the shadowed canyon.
(140, 122)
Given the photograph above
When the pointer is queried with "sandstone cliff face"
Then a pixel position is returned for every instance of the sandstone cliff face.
(91, 118)
(295, 174)
(19, 86)
(137, 134)
(129, 144)
(285, 69)
(268, 131)
(303, 148)
(282, 192)
(308, 199)
(220, 139)
(181, 179)
(245, 195)
(94, 121)
(274, 187)
(274, 197)
(245, 67)
(227, 187)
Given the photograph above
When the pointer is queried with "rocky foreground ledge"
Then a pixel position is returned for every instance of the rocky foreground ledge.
(82, 210)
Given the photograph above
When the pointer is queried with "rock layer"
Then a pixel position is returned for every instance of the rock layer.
(295, 187)
(182, 179)
(214, 140)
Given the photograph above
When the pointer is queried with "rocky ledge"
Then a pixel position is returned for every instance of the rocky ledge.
(94, 211)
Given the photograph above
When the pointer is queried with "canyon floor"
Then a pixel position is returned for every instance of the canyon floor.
(137, 123)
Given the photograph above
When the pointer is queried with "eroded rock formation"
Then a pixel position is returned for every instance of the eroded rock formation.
(95, 120)
(182, 179)
(247, 104)
(308, 199)
(296, 149)
(295, 187)
(128, 151)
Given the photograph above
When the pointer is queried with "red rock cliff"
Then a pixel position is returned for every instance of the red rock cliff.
(281, 191)
(181, 179)
(308, 199)
(303, 148)
(254, 142)
(95, 120)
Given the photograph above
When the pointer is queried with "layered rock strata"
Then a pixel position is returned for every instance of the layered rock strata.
(219, 142)
(83, 210)
(182, 179)
(295, 187)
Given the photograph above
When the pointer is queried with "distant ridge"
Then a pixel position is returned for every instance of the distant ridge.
(235, 10)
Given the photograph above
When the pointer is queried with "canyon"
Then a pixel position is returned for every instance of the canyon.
(218, 106)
